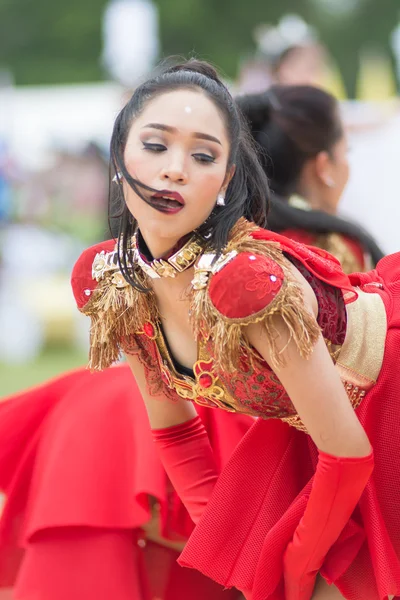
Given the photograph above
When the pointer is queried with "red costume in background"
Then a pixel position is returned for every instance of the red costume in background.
(349, 251)
(262, 493)
(81, 475)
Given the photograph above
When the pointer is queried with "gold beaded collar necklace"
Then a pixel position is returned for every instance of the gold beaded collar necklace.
(169, 266)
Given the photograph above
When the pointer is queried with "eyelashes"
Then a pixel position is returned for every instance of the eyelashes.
(204, 158)
(158, 148)
(154, 147)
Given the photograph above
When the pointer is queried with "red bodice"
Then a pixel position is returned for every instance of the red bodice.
(250, 282)
(253, 388)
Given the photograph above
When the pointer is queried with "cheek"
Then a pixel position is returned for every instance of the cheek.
(133, 202)
(139, 166)
(345, 171)
(340, 172)
(211, 184)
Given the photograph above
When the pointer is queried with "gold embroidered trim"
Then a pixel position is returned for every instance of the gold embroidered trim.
(116, 310)
(204, 389)
(227, 334)
(361, 357)
(295, 422)
(354, 393)
(359, 361)
(184, 258)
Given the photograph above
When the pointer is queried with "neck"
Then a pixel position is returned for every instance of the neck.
(313, 195)
(159, 248)
(168, 289)
(179, 259)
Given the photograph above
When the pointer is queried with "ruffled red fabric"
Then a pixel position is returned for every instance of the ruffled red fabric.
(76, 455)
(262, 492)
(319, 262)
(305, 237)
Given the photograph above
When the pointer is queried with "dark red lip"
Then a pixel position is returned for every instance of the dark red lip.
(168, 194)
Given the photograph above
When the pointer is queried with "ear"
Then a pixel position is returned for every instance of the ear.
(323, 168)
(228, 178)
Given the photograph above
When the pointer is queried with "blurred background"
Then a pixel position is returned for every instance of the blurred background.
(66, 69)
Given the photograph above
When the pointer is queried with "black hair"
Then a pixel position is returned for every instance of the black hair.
(247, 194)
(291, 124)
(283, 216)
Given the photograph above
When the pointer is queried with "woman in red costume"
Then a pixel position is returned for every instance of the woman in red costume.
(58, 539)
(304, 154)
(211, 308)
(66, 404)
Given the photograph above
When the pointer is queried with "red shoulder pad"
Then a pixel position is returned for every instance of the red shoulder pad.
(246, 285)
(82, 281)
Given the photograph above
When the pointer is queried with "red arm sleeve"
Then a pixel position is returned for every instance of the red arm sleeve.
(337, 488)
(188, 459)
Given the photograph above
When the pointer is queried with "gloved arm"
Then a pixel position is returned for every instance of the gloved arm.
(188, 459)
(338, 485)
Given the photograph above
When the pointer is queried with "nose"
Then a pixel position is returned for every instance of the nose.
(175, 171)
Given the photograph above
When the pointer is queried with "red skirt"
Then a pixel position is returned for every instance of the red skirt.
(78, 467)
(262, 492)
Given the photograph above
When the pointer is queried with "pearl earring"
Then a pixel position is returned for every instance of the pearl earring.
(220, 200)
(329, 182)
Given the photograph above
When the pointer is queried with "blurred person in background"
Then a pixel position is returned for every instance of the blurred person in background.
(300, 64)
(303, 149)
(73, 193)
(293, 51)
(288, 54)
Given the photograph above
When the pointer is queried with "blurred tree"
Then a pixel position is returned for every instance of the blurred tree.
(348, 33)
(218, 30)
(44, 41)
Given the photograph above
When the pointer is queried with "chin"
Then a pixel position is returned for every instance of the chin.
(168, 226)
(160, 230)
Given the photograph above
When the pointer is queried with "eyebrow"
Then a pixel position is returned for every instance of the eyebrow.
(196, 134)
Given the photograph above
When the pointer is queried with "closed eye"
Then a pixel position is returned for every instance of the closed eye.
(154, 147)
(204, 158)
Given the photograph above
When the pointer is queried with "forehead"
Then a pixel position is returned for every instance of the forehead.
(187, 110)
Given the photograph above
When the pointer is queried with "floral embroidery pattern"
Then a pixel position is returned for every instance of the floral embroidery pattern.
(146, 350)
(257, 390)
(204, 389)
(264, 284)
(330, 263)
(254, 388)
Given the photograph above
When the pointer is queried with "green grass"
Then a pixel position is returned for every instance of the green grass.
(51, 362)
